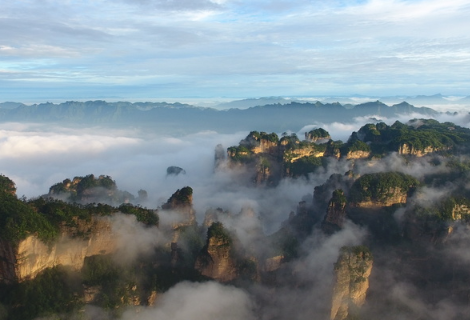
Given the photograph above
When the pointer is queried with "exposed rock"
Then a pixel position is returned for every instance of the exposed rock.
(174, 171)
(352, 271)
(265, 146)
(317, 135)
(90, 293)
(381, 189)
(335, 212)
(273, 264)
(216, 260)
(181, 205)
(152, 298)
(406, 149)
(263, 174)
(306, 151)
(7, 185)
(89, 189)
(395, 196)
(31, 255)
(357, 155)
(459, 211)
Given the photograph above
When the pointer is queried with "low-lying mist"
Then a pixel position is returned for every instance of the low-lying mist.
(36, 156)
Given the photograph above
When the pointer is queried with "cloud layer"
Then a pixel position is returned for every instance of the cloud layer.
(151, 49)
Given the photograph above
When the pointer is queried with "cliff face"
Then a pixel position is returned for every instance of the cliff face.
(460, 211)
(31, 256)
(308, 151)
(181, 205)
(265, 146)
(357, 155)
(335, 213)
(394, 196)
(406, 149)
(352, 271)
(216, 260)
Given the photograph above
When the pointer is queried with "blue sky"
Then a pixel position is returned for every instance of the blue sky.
(151, 49)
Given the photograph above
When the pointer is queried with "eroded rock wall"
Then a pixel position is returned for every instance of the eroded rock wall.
(352, 271)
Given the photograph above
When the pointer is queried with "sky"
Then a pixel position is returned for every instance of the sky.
(151, 49)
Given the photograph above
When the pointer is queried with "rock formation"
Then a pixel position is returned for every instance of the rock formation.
(7, 185)
(317, 135)
(381, 189)
(335, 213)
(31, 256)
(216, 258)
(174, 171)
(352, 271)
(181, 206)
(89, 189)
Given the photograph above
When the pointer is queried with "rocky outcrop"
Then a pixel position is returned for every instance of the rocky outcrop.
(183, 215)
(31, 255)
(307, 151)
(407, 149)
(7, 185)
(317, 135)
(273, 263)
(89, 189)
(357, 155)
(382, 189)
(216, 259)
(335, 213)
(174, 171)
(394, 196)
(460, 211)
(352, 271)
(265, 146)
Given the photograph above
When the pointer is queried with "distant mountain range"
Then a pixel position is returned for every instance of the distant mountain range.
(419, 100)
(180, 118)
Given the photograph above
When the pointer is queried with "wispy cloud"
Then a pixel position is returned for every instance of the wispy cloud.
(235, 46)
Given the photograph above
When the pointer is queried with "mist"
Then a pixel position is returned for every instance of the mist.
(36, 156)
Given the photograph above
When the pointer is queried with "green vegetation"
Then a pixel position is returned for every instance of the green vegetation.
(90, 189)
(271, 137)
(419, 134)
(339, 197)
(44, 217)
(290, 141)
(116, 282)
(248, 269)
(333, 148)
(240, 153)
(305, 165)
(442, 211)
(52, 292)
(18, 220)
(380, 186)
(217, 231)
(146, 216)
(7, 185)
(182, 197)
(355, 146)
(316, 134)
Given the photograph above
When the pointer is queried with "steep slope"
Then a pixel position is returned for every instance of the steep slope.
(352, 271)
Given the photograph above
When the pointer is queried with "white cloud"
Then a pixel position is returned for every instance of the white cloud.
(206, 301)
(236, 47)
